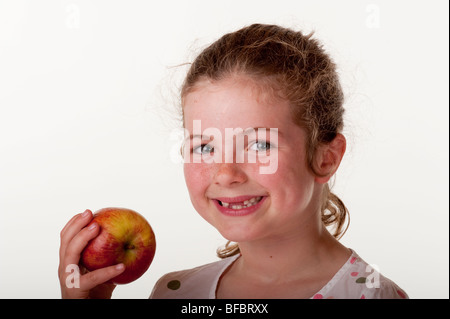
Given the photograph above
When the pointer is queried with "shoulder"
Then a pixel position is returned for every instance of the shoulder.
(374, 285)
(384, 289)
(360, 280)
(195, 283)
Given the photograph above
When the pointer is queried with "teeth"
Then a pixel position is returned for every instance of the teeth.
(247, 203)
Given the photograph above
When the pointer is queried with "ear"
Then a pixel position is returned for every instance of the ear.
(328, 158)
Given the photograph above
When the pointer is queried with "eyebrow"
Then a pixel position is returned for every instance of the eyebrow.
(206, 137)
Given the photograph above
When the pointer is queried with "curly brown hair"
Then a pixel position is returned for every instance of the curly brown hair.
(296, 65)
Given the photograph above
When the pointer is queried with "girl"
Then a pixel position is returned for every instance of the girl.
(264, 96)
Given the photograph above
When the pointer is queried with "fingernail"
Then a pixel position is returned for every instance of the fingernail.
(92, 227)
(86, 212)
(120, 266)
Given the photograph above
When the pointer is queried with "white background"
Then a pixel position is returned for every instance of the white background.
(88, 103)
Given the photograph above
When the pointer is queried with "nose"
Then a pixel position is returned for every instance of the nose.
(229, 174)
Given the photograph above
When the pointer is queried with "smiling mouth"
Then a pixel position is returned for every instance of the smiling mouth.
(240, 204)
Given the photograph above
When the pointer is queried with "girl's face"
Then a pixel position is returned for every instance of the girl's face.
(240, 201)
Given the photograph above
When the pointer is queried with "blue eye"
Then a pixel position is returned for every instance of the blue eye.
(203, 149)
(262, 146)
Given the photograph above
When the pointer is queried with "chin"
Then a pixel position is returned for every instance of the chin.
(235, 229)
(238, 234)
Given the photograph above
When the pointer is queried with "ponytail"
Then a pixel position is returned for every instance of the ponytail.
(334, 213)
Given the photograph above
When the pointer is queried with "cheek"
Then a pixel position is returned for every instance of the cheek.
(290, 184)
(197, 180)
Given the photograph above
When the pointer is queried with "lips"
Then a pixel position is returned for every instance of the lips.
(239, 206)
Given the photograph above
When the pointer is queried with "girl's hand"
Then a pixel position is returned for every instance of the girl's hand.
(76, 282)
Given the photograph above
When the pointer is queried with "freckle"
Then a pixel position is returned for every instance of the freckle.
(270, 256)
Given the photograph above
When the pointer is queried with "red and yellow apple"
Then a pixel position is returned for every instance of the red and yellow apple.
(125, 237)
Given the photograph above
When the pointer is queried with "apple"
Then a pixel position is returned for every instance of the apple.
(125, 237)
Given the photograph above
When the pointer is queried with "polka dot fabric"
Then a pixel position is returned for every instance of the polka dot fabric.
(356, 279)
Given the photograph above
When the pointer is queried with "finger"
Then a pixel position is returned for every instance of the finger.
(79, 221)
(69, 223)
(79, 242)
(72, 228)
(100, 276)
(62, 236)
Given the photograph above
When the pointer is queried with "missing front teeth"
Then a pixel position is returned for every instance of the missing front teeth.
(240, 205)
(223, 204)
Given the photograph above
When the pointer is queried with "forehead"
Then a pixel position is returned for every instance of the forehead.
(235, 102)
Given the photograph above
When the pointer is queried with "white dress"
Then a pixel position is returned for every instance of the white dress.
(356, 279)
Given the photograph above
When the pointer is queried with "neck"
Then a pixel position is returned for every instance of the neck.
(290, 257)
